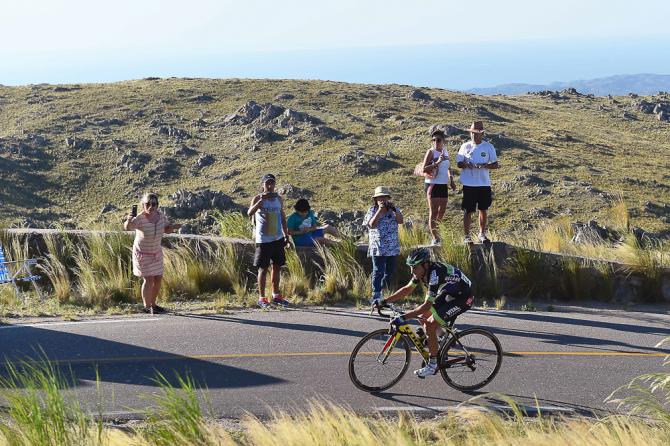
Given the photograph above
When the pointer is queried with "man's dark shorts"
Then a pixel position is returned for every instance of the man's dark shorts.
(476, 197)
(270, 252)
(448, 310)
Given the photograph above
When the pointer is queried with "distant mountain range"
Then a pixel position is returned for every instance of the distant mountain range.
(619, 85)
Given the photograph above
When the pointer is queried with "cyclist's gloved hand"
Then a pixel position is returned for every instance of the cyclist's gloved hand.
(398, 320)
(378, 302)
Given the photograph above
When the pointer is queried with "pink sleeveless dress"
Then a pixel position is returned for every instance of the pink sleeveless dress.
(147, 249)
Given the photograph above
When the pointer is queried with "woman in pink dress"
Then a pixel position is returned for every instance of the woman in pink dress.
(149, 226)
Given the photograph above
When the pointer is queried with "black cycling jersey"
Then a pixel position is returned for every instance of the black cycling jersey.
(449, 290)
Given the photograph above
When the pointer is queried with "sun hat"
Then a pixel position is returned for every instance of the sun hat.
(476, 127)
(382, 191)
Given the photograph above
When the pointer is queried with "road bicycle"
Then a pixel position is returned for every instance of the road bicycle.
(467, 359)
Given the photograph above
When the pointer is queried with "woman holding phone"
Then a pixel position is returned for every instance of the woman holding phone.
(149, 226)
(437, 181)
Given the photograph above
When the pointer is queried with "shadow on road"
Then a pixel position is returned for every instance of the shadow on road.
(279, 325)
(89, 357)
(558, 319)
(527, 403)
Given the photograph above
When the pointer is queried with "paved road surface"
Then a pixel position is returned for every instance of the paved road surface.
(263, 361)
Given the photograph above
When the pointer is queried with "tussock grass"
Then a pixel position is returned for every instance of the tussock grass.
(178, 417)
(233, 224)
(39, 414)
(204, 267)
(341, 275)
(647, 395)
(104, 270)
(38, 411)
(295, 280)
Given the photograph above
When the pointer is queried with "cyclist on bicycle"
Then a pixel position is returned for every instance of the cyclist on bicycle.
(449, 295)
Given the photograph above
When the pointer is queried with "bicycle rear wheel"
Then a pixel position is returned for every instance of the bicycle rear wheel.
(471, 359)
(377, 363)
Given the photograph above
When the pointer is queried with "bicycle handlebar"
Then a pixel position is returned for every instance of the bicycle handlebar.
(396, 311)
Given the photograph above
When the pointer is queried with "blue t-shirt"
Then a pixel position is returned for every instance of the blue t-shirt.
(296, 223)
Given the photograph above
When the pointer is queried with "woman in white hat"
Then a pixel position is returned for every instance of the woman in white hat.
(382, 220)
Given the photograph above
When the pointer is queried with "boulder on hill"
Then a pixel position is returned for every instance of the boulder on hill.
(364, 164)
(294, 192)
(205, 160)
(174, 132)
(188, 204)
(447, 129)
(292, 117)
(593, 233)
(322, 131)
(201, 98)
(78, 143)
(264, 135)
(164, 169)
(133, 160)
(418, 95)
(244, 115)
(185, 151)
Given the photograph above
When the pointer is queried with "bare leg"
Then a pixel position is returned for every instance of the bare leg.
(482, 221)
(156, 289)
(276, 274)
(432, 216)
(431, 327)
(441, 209)
(467, 220)
(262, 273)
(147, 284)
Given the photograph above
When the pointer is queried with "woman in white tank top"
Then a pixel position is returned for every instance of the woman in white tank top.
(438, 180)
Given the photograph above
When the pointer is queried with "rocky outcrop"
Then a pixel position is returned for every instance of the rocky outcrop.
(364, 164)
(188, 204)
(78, 143)
(133, 161)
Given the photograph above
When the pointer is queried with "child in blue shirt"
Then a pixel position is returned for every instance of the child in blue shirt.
(304, 227)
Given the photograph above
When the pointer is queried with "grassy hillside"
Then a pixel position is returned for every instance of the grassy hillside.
(66, 151)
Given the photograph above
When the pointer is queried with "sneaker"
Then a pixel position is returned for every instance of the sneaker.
(158, 310)
(279, 300)
(428, 370)
(147, 310)
(483, 238)
(467, 240)
(263, 302)
(434, 242)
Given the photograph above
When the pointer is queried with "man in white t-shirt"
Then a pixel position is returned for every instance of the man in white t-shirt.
(475, 158)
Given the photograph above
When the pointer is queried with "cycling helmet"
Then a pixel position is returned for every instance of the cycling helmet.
(418, 256)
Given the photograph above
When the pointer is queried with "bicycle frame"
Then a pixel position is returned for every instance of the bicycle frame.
(402, 330)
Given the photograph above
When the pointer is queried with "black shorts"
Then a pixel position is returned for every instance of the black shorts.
(476, 197)
(270, 252)
(434, 190)
(448, 310)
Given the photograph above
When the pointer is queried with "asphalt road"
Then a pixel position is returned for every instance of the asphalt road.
(267, 361)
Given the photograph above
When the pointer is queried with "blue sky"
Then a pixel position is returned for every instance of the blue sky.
(434, 43)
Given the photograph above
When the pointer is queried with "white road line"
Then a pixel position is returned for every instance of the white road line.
(60, 324)
(497, 407)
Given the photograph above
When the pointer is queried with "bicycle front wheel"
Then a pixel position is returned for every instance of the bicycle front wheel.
(471, 359)
(378, 361)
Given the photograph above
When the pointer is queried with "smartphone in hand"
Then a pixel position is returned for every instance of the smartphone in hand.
(133, 210)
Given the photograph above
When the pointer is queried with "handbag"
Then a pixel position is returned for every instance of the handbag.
(418, 170)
